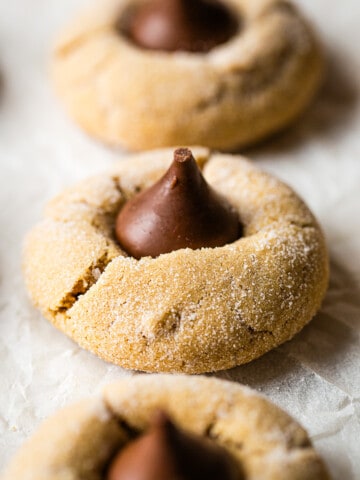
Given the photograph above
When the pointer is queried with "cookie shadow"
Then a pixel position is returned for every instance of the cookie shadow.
(320, 347)
(327, 117)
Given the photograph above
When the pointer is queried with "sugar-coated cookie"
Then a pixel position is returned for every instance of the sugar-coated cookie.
(236, 94)
(80, 441)
(188, 310)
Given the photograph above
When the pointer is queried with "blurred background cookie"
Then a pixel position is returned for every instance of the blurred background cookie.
(223, 74)
(219, 431)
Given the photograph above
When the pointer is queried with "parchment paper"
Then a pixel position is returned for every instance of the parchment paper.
(315, 377)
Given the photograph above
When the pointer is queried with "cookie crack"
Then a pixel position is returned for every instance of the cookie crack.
(81, 287)
(213, 100)
(230, 444)
(210, 428)
(300, 224)
(122, 192)
(254, 331)
(103, 223)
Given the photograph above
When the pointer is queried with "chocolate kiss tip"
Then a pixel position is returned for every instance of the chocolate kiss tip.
(179, 211)
(165, 452)
(188, 25)
(182, 155)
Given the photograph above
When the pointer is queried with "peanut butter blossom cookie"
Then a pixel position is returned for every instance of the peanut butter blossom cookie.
(169, 428)
(192, 264)
(152, 73)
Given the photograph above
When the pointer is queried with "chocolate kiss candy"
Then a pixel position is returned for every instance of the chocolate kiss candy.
(180, 210)
(190, 25)
(167, 453)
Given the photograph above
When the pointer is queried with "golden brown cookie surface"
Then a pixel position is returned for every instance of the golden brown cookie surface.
(236, 94)
(189, 310)
(78, 442)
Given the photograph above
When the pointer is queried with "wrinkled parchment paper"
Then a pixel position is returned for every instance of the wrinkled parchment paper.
(316, 376)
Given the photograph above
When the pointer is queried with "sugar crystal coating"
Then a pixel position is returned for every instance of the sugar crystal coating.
(189, 310)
